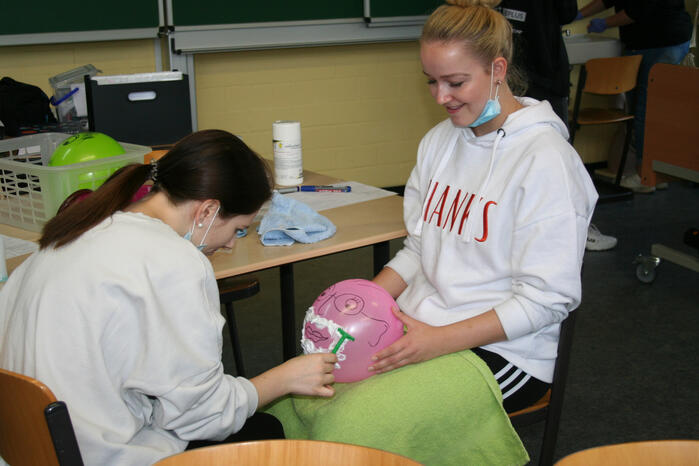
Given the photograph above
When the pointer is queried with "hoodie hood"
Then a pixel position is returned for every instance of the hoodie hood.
(535, 113)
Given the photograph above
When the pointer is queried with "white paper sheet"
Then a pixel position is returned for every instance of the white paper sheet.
(323, 200)
(16, 247)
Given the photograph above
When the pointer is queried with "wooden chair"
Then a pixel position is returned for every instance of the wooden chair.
(34, 427)
(549, 408)
(287, 452)
(606, 76)
(650, 453)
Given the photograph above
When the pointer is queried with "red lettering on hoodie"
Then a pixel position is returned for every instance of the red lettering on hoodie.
(427, 207)
(465, 215)
(454, 209)
(485, 221)
(440, 206)
(449, 218)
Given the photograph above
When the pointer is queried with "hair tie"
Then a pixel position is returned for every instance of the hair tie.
(154, 171)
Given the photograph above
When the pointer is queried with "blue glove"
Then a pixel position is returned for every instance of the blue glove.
(597, 25)
(579, 16)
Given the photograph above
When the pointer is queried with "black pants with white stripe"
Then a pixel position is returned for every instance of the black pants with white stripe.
(519, 389)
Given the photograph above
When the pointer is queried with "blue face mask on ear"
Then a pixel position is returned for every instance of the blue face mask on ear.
(492, 106)
(188, 235)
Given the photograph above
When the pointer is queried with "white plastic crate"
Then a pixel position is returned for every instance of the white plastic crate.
(31, 192)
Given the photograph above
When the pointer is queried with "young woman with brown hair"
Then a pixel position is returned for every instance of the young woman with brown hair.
(118, 312)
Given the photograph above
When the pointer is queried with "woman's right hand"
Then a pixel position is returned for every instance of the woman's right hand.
(311, 374)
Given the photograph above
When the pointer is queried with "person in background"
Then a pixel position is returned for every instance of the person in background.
(541, 66)
(539, 51)
(118, 312)
(497, 210)
(660, 31)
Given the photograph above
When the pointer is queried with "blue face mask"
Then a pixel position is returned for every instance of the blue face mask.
(188, 235)
(492, 106)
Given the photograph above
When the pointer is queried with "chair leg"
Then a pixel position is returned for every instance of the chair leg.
(548, 443)
(235, 341)
(574, 126)
(627, 144)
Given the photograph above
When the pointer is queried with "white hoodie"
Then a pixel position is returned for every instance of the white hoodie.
(498, 221)
(124, 325)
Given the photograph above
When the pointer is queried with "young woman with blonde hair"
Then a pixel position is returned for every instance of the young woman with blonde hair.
(497, 209)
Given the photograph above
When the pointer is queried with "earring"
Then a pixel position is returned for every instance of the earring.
(200, 225)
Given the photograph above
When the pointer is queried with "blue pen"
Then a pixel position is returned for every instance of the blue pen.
(55, 102)
(316, 189)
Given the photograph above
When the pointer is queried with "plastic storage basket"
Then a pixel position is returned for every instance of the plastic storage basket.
(31, 192)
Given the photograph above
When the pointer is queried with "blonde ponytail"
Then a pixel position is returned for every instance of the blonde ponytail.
(483, 30)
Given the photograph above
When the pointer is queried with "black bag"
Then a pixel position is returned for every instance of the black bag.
(23, 105)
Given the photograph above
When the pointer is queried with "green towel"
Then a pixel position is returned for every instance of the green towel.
(447, 411)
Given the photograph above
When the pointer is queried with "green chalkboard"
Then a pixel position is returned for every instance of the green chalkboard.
(394, 8)
(43, 16)
(209, 12)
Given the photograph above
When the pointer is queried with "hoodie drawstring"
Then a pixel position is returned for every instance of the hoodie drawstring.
(484, 184)
(417, 231)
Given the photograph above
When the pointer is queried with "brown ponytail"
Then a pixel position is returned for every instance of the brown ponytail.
(211, 164)
(113, 195)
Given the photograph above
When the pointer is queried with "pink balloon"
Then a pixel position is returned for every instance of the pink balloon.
(352, 319)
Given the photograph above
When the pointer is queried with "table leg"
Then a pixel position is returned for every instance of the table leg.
(286, 282)
(381, 256)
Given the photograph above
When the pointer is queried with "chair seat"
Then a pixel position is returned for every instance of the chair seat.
(647, 453)
(600, 116)
(541, 404)
(287, 452)
(235, 288)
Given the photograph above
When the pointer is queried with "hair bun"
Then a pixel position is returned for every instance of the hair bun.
(468, 3)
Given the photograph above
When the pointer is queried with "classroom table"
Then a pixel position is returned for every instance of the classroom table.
(370, 223)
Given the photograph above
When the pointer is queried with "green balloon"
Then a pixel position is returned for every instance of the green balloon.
(85, 147)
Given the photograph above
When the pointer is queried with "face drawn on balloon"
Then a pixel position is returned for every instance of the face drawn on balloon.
(352, 319)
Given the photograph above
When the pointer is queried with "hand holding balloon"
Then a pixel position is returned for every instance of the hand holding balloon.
(420, 343)
(352, 319)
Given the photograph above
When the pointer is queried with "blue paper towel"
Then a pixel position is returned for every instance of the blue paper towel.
(288, 220)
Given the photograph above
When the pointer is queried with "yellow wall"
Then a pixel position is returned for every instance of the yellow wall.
(35, 64)
(363, 108)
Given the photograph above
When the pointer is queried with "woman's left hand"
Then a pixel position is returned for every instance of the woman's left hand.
(420, 343)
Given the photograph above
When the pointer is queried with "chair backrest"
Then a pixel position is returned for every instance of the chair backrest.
(671, 119)
(650, 453)
(34, 427)
(154, 155)
(551, 406)
(287, 452)
(613, 75)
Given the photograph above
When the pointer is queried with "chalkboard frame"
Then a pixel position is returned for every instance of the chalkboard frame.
(381, 13)
(257, 36)
(58, 28)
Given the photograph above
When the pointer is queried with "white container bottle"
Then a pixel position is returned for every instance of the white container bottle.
(288, 160)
